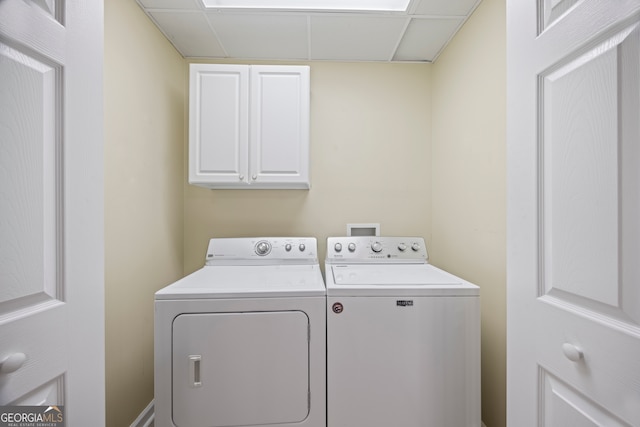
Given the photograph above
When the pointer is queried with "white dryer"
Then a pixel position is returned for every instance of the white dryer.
(242, 341)
(403, 337)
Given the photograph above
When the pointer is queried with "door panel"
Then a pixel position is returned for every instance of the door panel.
(549, 11)
(51, 391)
(565, 406)
(237, 369)
(29, 178)
(590, 215)
(573, 213)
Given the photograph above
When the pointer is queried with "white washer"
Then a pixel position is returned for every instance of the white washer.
(242, 341)
(403, 337)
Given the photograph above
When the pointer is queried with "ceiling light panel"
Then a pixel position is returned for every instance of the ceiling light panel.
(324, 5)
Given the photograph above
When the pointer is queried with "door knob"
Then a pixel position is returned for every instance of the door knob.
(572, 352)
(12, 363)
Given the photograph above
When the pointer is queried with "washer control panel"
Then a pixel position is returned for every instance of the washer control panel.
(354, 249)
(262, 250)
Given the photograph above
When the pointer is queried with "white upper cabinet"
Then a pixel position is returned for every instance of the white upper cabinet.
(249, 126)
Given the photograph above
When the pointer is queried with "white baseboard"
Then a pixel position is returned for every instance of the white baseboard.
(145, 419)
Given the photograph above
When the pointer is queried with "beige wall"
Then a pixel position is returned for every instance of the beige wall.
(469, 173)
(416, 147)
(144, 106)
(370, 156)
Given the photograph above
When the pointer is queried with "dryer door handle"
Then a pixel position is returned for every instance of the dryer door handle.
(195, 370)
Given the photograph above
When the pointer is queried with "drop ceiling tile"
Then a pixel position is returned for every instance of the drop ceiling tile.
(189, 32)
(262, 36)
(350, 37)
(445, 7)
(424, 39)
(171, 4)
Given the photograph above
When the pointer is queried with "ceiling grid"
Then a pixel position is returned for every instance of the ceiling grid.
(417, 33)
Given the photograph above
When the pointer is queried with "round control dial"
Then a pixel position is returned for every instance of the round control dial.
(376, 247)
(263, 248)
(302, 247)
(338, 247)
(402, 247)
(287, 247)
(415, 247)
(352, 247)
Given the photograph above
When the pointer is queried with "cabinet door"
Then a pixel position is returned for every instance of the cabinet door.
(218, 123)
(279, 132)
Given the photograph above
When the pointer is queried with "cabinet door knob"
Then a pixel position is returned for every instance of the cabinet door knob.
(572, 352)
(254, 177)
(12, 363)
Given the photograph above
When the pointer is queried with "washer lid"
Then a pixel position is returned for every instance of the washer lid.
(265, 281)
(395, 279)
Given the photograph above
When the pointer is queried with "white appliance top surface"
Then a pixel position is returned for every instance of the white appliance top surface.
(241, 281)
(394, 279)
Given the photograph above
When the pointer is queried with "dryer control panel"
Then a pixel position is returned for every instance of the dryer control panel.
(376, 249)
(262, 250)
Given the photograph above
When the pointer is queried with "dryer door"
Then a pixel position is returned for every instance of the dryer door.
(239, 369)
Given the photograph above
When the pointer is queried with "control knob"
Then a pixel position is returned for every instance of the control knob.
(338, 247)
(263, 248)
(415, 246)
(376, 247)
(302, 247)
(352, 247)
(287, 247)
(402, 247)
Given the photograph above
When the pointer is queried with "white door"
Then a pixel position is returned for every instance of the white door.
(573, 244)
(51, 207)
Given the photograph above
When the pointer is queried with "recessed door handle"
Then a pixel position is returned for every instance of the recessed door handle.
(12, 363)
(195, 373)
(572, 352)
